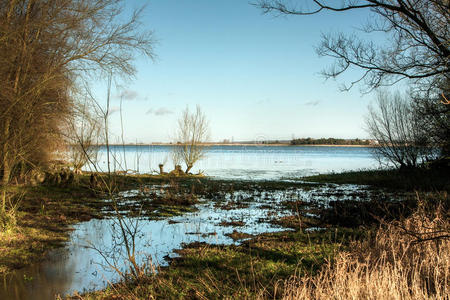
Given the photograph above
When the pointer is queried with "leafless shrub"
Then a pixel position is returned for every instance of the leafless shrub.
(176, 155)
(126, 230)
(83, 134)
(433, 107)
(8, 211)
(396, 127)
(192, 133)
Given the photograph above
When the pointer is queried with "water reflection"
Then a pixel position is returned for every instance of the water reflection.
(79, 267)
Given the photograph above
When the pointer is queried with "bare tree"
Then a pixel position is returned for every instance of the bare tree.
(47, 50)
(192, 133)
(418, 50)
(396, 126)
(176, 155)
(84, 135)
(433, 107)
(418, 30)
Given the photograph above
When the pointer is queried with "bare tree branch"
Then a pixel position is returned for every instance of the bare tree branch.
(418, 29)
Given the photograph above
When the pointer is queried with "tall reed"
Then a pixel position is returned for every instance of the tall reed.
(406, 259)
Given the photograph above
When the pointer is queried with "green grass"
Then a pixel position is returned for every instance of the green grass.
(209, 272)
(418, 179)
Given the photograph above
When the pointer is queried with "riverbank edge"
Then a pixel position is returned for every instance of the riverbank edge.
(46, 212)
(203, 271)
(420, 179)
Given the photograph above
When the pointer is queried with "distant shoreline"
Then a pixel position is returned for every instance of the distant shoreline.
(250, 145)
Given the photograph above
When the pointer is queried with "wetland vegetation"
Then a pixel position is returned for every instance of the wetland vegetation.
(245, 239)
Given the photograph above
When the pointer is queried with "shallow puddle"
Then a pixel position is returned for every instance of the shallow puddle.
(80, 267)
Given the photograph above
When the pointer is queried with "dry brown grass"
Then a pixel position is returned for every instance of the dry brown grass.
(406, 259)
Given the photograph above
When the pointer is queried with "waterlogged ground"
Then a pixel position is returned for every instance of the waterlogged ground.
(227, 214)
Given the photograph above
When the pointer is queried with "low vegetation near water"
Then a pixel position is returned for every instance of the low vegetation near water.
(323, 253)
(403, 259)
(391, 250)
(45, 212)
(431, 179)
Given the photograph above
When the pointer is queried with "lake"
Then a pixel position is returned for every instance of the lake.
(80, 267)
(245, 162)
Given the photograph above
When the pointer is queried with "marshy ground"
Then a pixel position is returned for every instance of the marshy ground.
(314, 221)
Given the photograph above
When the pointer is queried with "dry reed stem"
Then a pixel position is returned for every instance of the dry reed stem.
(395, 264)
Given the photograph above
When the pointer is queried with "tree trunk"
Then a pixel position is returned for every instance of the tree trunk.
(5, 180)
(6, 168)
(5, 152)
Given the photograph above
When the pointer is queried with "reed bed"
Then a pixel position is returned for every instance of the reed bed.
(405, 259)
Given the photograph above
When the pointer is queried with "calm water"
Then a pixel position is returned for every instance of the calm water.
(246, 162)
(78, 267)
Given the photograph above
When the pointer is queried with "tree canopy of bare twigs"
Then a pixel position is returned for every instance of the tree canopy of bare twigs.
(83, 133)
(192, 133)
(419, 36)
(48, 48)
(396, 126)
(433, 109)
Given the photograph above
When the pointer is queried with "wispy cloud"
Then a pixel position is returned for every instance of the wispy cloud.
(312, 103)
(128, 95)
(263, 101)
(159, 112)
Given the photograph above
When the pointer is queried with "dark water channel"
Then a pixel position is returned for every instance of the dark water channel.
(79, 267)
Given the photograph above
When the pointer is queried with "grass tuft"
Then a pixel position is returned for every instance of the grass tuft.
(407, 259)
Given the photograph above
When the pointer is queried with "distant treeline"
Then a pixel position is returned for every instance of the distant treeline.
(329, 141)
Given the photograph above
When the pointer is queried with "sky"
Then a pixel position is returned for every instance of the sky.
(256, 76)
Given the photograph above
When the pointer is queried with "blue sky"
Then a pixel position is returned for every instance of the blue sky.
(255, 76)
